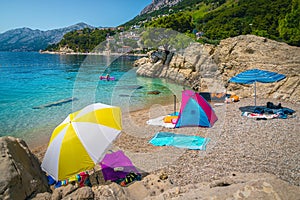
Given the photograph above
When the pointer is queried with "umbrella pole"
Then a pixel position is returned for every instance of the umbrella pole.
(255, 93)
(174, 103)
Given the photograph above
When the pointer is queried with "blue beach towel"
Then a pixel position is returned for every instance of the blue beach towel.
(179, 140)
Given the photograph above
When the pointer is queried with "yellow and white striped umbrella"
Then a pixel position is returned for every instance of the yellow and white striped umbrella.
(80, 141)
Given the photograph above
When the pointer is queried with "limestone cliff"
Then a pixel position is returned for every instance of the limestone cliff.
(208, 68)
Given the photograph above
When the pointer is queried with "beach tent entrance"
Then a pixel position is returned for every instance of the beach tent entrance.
(195, 111)
(116, 165)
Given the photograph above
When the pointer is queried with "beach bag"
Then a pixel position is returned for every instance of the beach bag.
(235, 98)
(170, 119)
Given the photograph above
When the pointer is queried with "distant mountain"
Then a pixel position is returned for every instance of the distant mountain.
(26, 39)
(158, 4)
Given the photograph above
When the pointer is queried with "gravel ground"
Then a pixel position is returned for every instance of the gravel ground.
(238, 144)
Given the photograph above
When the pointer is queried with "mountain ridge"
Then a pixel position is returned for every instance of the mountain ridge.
(27, 39)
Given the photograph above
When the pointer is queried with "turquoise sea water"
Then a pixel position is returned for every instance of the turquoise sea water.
(29, 80)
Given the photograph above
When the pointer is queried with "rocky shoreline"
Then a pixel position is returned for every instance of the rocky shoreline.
(71, 52)
(208, 68)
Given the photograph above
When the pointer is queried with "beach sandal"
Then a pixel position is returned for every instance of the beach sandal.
(118, 169)
(130, 178)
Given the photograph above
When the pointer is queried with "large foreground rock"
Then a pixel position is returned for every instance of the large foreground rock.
(21, 175)
(237, 186)
(208, 68)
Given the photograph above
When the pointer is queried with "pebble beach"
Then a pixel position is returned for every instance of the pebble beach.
(238, 144)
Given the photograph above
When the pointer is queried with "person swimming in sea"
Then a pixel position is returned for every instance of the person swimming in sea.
(107, 77)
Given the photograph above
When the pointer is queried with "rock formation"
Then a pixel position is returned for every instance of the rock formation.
(158, 4)
(208, 68)
(21, 175)
(237, 186)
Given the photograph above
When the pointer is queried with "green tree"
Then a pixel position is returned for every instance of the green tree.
(181, 22)
(84, 40)
(289, 26)
(155, 38)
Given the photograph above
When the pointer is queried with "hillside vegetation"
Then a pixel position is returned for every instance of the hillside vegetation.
(208, 21)
(217, 20)
(84, 40)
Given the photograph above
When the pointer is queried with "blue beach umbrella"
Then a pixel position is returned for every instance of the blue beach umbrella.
(256, 75)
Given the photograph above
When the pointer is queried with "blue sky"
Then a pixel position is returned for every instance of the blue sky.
(52, 14)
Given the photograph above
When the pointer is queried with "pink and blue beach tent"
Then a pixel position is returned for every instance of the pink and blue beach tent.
(195, 111)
